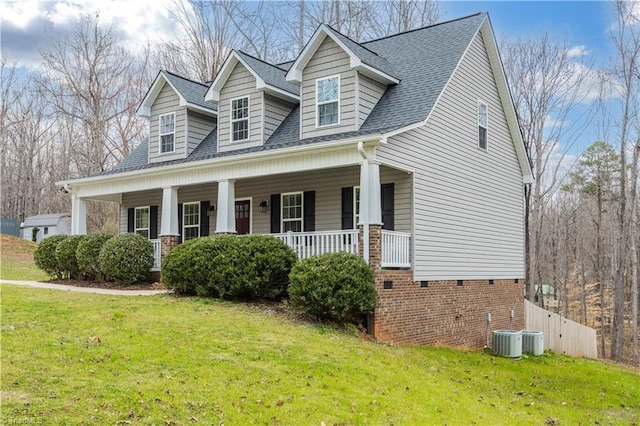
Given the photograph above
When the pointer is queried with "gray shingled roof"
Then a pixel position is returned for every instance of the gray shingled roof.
(193, 92)
(45, 219)
(423, 61)
(367, 56)
(271, 74)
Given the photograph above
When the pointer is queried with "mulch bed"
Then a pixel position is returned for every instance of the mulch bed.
(110, 285)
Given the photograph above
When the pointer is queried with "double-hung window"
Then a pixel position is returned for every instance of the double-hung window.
(167, 132)
(142, 221)
(190, 221)
(240, 119)
(327, 100)
(292, 212)
(483, 125)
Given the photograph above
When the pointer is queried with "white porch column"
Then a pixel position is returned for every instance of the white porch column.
(78, 215)
(226, 215)
(364, 207)
(169, 221)
(375, 204)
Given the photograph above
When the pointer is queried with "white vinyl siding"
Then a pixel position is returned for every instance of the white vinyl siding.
(275, 111)
(167, 102)
(369, 93)
(327, 185)
(329, 60)
(190, 221)
(241, 83)
(468, 208)
(200, 126)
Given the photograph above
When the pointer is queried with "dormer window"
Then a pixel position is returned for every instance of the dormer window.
(167, 133)
(240, 119)
(328, 100)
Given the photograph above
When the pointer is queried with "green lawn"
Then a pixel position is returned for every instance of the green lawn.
(16, 260)
(72, 358)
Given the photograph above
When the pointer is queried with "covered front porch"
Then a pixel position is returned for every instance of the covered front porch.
(316, 204)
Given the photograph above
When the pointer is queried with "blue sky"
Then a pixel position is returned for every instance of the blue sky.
(580, 22)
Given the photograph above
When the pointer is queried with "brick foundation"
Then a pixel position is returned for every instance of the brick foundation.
(444, 313)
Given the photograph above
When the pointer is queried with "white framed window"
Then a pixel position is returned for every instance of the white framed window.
(240, 119)
(167, 133)
(483, 125)
(356, 206)
(328, 101)
(190, 221)
(142, 221)
(292, 212)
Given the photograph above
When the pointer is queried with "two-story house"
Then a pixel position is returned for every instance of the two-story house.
(404, 149)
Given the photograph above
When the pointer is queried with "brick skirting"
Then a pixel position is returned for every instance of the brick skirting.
(443, 312)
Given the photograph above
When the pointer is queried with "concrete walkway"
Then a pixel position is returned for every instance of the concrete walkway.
(38, 284)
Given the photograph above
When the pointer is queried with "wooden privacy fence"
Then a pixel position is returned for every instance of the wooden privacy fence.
(561, 335)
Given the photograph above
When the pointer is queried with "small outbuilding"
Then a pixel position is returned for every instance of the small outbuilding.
(46, 225)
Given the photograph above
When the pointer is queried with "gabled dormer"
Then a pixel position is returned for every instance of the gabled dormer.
(253, 97)
(179, 117)
(340, 83)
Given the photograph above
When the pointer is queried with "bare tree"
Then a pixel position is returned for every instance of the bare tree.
(626, 38)
(548, 82)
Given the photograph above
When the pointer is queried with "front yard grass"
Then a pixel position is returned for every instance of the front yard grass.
(72, 358)
(16, 260)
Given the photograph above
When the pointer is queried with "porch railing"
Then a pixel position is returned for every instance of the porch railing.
(156, 255)
(396, 251)
(307, 244)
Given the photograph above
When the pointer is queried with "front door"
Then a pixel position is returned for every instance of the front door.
(243, 217)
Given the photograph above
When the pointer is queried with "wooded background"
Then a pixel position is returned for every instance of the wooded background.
(75, 116)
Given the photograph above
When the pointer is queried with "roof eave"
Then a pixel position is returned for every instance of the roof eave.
(192, 165)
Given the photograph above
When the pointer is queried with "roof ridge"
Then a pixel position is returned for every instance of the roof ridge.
(352, 40)
(424, 28)
(184, 78)
(260, 60)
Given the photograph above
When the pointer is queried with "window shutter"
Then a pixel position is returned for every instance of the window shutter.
(153, 222)
(131, 220)
(387, 194)
(204, 218)
(347, 208)
(309, 214)
(275, 213)
(180, 220)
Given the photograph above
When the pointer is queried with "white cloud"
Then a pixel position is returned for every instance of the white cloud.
(578, 51)
(28, 25)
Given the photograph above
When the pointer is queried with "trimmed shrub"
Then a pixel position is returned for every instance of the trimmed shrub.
(66, 256)
(334, 286)
(87, 255)
(126, 258)
(252, 267)
(45, 255)
(186, 269)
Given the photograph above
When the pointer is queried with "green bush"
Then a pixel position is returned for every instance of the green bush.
(252, 267)
(126, 258)
(334, 286)
(34, 234)
(45, 255)
(186, 269)
(87, 255)
(66, 256)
